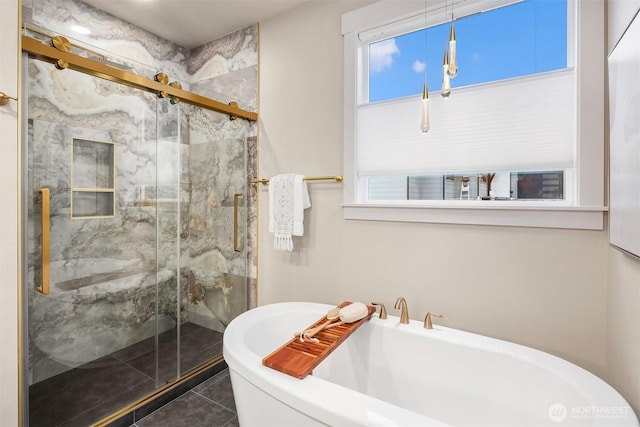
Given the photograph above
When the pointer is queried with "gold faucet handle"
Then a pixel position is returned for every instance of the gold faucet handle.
(383, 310)
(427, 320)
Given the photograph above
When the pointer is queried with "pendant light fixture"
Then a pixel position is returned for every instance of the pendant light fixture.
(453, 64)
(424, 126)
(446, 80)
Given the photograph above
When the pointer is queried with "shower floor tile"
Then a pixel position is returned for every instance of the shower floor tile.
(92, 391)
(197, 345)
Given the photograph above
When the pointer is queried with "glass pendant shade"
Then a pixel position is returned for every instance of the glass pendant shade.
(446, 80)
(453, 65)
(424, 126)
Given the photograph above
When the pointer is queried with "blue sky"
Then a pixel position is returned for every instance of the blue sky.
(524, 38)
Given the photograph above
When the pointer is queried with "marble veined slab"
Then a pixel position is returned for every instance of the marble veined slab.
(177, 168)
(112, 34)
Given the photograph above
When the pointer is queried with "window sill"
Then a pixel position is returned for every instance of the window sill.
(541, 215)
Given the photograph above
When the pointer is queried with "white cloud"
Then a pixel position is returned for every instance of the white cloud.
(419, 66)
(381, 55)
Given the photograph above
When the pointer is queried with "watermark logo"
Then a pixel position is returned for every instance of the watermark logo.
(557, 412)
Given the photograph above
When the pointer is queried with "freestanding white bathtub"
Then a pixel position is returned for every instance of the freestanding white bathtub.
(389, 374)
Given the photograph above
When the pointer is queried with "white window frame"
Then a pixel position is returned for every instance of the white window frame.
(587, 210)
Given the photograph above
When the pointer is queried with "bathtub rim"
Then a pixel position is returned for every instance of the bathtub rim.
(248, 364)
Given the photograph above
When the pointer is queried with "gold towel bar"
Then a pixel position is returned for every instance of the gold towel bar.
(336, 178)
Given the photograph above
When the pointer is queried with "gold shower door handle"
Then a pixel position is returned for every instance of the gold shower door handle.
(45, 222)
(236, 221)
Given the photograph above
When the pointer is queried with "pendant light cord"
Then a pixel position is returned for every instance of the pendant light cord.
(425, 42)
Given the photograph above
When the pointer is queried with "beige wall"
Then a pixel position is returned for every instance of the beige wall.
(484, 279)
(9, 215)
(539, 287)
(623, 273)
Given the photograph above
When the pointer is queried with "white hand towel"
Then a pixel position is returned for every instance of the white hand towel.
(288, 198)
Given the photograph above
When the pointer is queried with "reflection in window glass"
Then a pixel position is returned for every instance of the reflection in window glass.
(538, 185)
(545, 185)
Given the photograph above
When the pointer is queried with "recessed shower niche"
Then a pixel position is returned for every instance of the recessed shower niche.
(93, 179)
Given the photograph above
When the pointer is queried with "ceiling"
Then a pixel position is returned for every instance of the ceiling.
(191, 23)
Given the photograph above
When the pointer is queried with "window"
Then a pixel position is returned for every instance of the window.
(514, 136)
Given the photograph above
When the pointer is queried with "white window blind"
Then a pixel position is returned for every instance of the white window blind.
(521, 124)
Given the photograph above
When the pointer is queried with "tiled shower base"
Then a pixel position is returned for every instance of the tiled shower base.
(85, 395)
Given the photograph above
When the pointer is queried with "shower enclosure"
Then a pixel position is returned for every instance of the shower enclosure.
(134, 235)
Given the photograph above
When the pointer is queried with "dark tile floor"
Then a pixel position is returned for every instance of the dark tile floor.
(209, 404)
(84, 395)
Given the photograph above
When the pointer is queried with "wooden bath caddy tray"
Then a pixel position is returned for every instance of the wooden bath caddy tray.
(298, 359)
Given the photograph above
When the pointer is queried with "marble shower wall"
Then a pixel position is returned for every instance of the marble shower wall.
(223, 159)
(139, 48)
(203, 158)
(228, 66)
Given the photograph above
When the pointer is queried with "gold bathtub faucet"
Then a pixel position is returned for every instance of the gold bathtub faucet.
(427, 320)
(401, 303)
(383, 310)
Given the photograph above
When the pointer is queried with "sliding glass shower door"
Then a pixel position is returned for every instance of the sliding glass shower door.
(133, 238)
